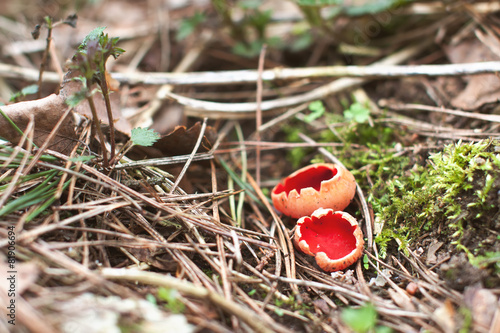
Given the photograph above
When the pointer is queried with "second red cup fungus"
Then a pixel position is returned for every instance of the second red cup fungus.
(333, 238)
(318, 185)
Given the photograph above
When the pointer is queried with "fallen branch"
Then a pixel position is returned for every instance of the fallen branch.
(251, 76)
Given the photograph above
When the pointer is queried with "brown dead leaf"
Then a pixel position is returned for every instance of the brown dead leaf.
(444, 316)
(431, 252)
(46, 111)
(480, 89)
(482, 303)
(180, 141)
(70, 87)
(156, 258)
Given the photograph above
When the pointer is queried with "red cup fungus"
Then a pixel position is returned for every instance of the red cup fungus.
(318, 185)
(334, 238)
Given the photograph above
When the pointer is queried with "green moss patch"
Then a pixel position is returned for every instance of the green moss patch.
(453, 197)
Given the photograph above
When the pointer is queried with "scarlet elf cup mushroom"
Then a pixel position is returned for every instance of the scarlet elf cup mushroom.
(316, 195)
(333, 238)
(320, 185)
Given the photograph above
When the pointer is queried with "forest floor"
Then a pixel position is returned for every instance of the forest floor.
(143, 139)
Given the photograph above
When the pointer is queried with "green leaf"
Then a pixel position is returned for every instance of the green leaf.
(357, 112)
(361, 7)
(189, 25)
(373, 7)
(366, 265)
(31, 89)
(81, 158)
(360, 320)
(94, 34)
(249, 4)
(151, 299)
(75, 99)
(170, 296)
(279, 312)
(318, 2)
(302, 42)
(317, 110)
(383, 329)
(144, 136)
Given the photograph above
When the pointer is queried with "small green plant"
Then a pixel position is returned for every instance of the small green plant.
(363, 319)
(144, 136)
(303, 38)
(488, 258)
(138, 137)
(171, 297)
(357, 112)
(90, 61)
(317, 110)
(189, 25)
(28, 90)
(353, 8)
(366, 265)
(254, 20)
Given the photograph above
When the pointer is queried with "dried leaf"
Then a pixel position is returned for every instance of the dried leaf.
(71, 87)
(46, 111)
(93, 313)
(481, 89)
(482, 303)
(180, 141)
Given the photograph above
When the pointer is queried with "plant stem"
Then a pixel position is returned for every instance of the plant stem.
(97, 125)
(105, 93)
(44, 58)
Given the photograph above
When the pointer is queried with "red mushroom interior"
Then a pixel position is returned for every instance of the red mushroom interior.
(330, 234)
(308, 178)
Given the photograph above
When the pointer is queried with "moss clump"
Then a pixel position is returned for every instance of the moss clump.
(455, 195)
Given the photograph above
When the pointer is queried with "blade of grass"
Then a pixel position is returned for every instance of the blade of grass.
(25, 179)
(47, 203)
(13, 124)
(241, 197)
(240, 183)
(36, 195)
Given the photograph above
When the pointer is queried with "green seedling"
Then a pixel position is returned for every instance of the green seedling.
(357, 112)
(90, 61)
(363, 319)
(28, 90)
(317, 110)
(189, 25)
(171, 297)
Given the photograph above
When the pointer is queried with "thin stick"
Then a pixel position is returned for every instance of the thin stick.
(241, 110)
(251, 76)
(188, 162)
(43, 64)
(258, 118)
(401, 107)
(48, 140)
(97, 125)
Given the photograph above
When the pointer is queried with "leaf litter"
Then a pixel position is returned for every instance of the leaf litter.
(212, 254)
